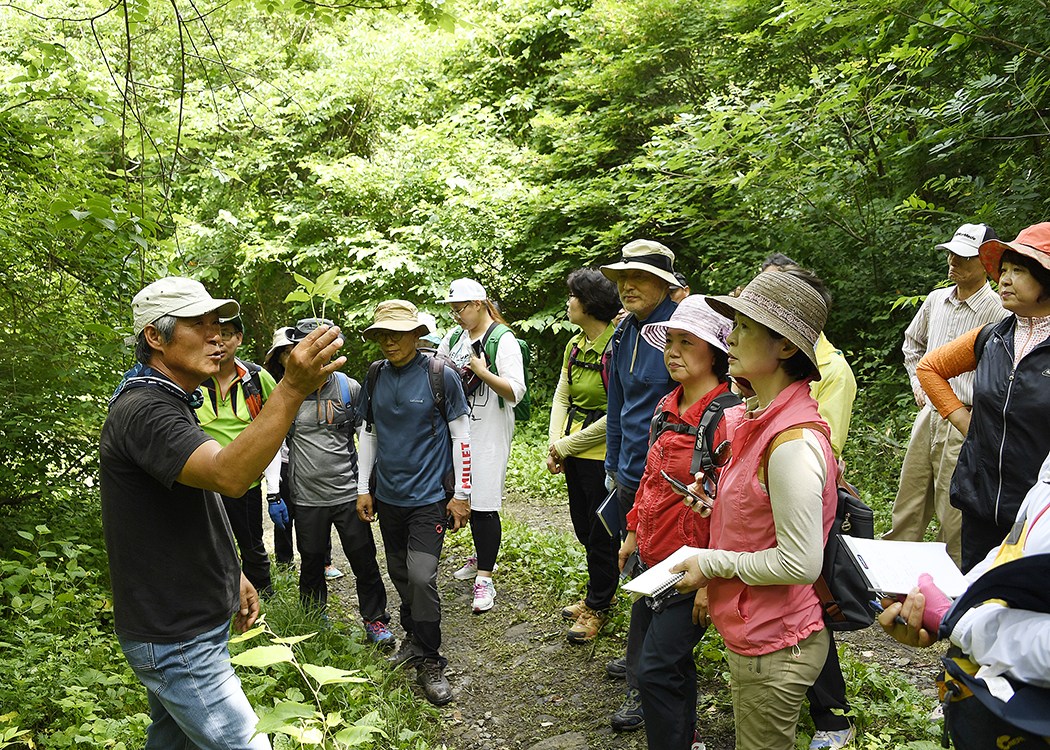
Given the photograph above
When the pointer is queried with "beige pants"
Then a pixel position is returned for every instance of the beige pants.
(926, 477)
(768, 691)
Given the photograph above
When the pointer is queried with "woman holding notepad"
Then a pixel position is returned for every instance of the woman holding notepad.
(663, 632)
(774, 505)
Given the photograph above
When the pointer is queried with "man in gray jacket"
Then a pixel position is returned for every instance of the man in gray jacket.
(322, 476)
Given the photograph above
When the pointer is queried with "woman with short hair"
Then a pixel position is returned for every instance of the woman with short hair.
(1011, 394)
(576, 442)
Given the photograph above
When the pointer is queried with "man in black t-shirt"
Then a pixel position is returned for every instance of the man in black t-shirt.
(173, 563)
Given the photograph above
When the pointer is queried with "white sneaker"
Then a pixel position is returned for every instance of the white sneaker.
(470, 569)
(484, 594)
(832, 740)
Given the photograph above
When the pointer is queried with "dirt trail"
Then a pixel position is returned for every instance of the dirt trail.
(519, 685)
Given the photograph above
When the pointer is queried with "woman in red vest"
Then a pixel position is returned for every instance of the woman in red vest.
(772, 509)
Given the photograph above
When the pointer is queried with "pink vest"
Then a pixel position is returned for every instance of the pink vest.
(757, 620)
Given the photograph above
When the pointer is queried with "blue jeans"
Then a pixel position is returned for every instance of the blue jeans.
(195, 699)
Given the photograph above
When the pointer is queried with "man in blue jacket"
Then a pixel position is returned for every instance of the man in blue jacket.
(638, 379)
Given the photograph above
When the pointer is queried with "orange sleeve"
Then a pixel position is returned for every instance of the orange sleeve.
(954, 358)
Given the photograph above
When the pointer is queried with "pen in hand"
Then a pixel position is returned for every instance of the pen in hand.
(877, 606)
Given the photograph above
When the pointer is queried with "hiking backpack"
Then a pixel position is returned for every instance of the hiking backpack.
(602, 367)
(842, 589)
(704, 432)
(489, 344)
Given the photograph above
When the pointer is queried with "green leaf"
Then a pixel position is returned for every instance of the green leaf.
(331, 675)
(297, 296)
(282, 715)
(248, 634)
(264, 656)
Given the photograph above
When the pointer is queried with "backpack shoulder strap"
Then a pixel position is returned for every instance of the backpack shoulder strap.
(370, 385)
(705, 433)
(454, 337)
(982, 338)
(436, 375)
(344, 387)
(796, 432)
(656, 425)
(251, 387)
(490, 341)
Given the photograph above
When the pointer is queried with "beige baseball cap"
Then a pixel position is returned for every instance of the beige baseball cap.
(178, 296)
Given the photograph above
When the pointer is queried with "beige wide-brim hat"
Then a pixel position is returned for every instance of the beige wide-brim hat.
(1033, 242)
(395, 315)
(281, 339)
(693, 315)
(782, 303)
(644, 255)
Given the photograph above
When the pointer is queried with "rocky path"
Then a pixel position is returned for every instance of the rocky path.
(519, 685)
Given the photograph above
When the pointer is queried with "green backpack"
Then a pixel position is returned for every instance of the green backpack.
(489, 343)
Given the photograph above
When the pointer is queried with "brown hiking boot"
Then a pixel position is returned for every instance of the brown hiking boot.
(587, 625)
(573, 611)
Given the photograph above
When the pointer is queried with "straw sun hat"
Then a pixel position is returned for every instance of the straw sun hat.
(784, 304)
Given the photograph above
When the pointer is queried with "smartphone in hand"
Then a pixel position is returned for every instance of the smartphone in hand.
(683, 489)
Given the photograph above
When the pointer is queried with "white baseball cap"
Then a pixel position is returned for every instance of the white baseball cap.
(464, 290)
(967, 240)
(175, 295)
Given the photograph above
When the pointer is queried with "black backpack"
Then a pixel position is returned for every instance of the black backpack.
(435, 365)
(590, 416)
(843, 591)
(704, 432)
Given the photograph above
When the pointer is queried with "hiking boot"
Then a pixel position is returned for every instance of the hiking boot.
(378, 633)
(574, 610)
(408, 654)
(617, 668)
(484, 594)
(331, 572)
(587, 625)
(431, 676)
(629, 716)
(833, 740)
(470, 569)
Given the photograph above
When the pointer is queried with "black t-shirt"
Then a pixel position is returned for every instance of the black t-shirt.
(172, 559)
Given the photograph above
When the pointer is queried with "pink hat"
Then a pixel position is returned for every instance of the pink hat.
(1033, 242)
(693, 315)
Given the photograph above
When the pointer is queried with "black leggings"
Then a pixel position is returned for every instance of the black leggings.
(487, 531)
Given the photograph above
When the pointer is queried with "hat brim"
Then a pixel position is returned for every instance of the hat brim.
(992, 254)
(226, 308)
(400, 326)
(959, 248)
(611, 271)
(727, 307)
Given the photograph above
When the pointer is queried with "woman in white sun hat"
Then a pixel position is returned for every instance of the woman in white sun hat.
(496, 387)
(663, 632)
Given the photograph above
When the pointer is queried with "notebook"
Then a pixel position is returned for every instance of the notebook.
(659, 577)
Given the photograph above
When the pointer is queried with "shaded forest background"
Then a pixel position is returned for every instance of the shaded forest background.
(512, 141)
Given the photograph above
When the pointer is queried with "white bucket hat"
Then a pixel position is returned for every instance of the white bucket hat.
(464, 290)
(644, 255)
(693, 315)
